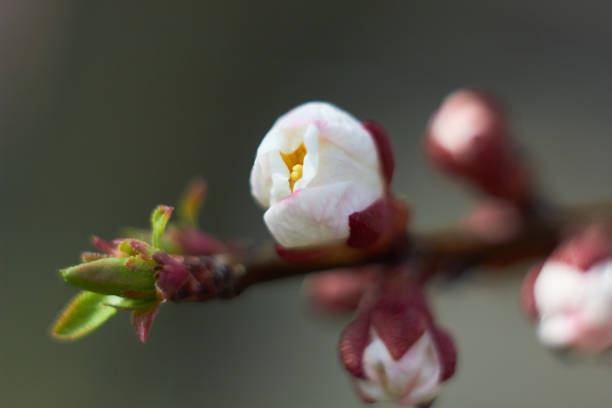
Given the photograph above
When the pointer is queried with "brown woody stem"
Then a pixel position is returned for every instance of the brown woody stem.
(449, 249)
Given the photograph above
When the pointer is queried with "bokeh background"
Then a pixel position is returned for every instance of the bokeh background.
(108, 108)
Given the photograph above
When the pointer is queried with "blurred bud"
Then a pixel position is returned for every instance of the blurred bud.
(191, 202)
(494, 221)
(316, 167)
(193, 241)
(395, 352)
(570, 295)
(339, 291)
(468, 137)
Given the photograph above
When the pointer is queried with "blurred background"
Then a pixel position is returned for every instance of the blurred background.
(108, 108)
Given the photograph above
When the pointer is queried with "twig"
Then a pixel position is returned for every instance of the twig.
(445, 249)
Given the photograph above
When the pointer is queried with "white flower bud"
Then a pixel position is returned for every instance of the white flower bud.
(570, 295)
(316, 166)
(394, 351)
(413, 378)
(575, 306)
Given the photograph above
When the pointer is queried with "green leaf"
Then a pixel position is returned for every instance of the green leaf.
(159, 219)
(129, 277)
(86, 312)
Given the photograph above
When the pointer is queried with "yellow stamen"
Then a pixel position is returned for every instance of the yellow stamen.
(296, 173)
(295, 164)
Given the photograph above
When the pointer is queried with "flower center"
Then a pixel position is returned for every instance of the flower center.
(295, 164)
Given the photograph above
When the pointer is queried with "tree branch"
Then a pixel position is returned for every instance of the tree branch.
(452, 249)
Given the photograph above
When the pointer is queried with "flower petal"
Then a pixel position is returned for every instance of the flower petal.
(558, 330)
(337, 126)
(315, 215)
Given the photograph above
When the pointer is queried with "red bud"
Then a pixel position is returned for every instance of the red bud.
(468, 137)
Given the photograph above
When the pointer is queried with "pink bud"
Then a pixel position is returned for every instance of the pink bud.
(395, 352)
(468, 137)
(341, 290)
(494, 221)
(194, 241)
(570, 295)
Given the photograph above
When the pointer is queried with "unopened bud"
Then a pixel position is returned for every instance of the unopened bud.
(395, 352)
(570, 295)
(316, 166)
(129, 277)
(468, 137)
(494, 221)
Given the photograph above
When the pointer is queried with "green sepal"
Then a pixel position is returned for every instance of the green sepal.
(131, 304)
(159, 219)
(130, 277)
(125, 247)
(83, 314)
(130, 247)
(191, 201)
(92, 256)
(167, 243)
